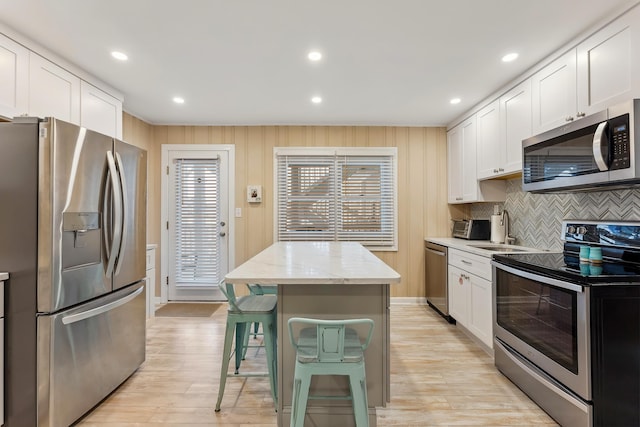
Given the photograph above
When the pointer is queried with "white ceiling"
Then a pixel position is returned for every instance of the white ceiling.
(386, 62)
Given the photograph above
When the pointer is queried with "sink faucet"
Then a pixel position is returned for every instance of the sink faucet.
(505, 223)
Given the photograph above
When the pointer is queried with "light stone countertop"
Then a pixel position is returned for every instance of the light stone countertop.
(4, 276)
(470, 246)
(311, 263)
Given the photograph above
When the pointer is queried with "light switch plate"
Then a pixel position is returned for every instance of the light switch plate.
(254, 193)
(238, 212)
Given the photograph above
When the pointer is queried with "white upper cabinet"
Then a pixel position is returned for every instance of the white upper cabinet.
(602, 71)
(553, 91)
(464, 186)
(53, 91)
(468, 161)
(461, 154)
(14, 72)
(608, 69)
(490, 151)
(100, 111)
(454, 163)
(515, 124)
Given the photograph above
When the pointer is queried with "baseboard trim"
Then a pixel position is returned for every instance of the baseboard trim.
(408, 301)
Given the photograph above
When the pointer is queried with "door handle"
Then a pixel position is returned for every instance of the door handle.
(123, 212)
(73, 318)
(599, 141)
(433, 251)
(117, 208)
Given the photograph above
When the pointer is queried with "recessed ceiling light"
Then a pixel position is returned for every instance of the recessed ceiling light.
(316, 100)
(119, 56)
(178, 100)
(510, 57)
(314, 56)
(455, 101)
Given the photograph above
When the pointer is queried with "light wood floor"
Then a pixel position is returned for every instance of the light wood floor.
(439, 377)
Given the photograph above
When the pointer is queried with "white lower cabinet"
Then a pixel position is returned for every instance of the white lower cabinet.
(480, 318)
(470, 293)
(151, 280)
(459, 294)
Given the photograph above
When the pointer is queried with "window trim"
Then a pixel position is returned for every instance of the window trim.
(337, 152)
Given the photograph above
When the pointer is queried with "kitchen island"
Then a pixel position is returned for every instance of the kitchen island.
(326, 280)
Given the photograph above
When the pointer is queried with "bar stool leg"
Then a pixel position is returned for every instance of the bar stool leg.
(241, 327)
(270, 344)
(301, 384)
(358, 384)
(226, 355)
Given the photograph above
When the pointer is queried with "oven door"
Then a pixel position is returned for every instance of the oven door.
(547, 322)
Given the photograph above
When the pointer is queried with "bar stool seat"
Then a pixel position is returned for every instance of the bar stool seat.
(328, 347)
(256, 289)
(241, 313)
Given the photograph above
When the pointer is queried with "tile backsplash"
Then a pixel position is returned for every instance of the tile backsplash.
(535, 219)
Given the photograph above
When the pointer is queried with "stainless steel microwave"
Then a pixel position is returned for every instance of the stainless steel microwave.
(596, 151)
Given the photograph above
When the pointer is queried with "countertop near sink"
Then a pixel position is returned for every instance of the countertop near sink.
(474, 246)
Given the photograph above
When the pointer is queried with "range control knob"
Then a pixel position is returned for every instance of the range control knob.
(571, 229)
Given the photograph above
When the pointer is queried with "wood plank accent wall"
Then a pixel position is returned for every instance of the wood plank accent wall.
(422, 181)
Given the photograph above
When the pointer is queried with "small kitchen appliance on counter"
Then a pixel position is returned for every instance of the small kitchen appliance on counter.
(471, 229)
(566, 329)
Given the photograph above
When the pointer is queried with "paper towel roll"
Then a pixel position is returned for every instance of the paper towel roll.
(497, 230)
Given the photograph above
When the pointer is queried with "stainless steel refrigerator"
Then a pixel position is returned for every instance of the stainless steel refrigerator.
(73, 238)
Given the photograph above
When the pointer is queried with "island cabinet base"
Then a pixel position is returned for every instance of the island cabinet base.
(335, 301)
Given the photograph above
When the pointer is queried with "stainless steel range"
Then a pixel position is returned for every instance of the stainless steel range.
(567, 325)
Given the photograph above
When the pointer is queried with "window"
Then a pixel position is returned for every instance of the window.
(337, 194)
(197, 215)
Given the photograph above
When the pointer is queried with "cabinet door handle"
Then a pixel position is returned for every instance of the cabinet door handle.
(581, 114)
(568, 119)
(464, 261)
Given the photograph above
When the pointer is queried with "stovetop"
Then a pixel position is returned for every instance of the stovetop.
(620, 244)
(567, 266)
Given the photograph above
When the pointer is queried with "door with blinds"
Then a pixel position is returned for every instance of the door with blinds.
(197, 224)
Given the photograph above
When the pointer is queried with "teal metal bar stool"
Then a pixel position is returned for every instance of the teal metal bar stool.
(241, 313)
(256, 289)
(329, 347)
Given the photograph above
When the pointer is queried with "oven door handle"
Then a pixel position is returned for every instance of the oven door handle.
(538, 278)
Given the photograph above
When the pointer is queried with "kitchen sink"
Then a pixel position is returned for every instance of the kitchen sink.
(499, 248)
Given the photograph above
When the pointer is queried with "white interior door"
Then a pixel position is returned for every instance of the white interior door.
(197, 193)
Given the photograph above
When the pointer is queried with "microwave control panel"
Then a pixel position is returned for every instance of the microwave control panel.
(620, 149)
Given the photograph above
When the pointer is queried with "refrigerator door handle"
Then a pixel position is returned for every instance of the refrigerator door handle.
(123, 212)
(117, 209)
(73, 318)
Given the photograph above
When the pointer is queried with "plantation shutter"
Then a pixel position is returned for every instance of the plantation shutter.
(337, 197)
(197, 184)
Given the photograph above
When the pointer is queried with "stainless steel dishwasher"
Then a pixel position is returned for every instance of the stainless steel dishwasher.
(435, 278)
